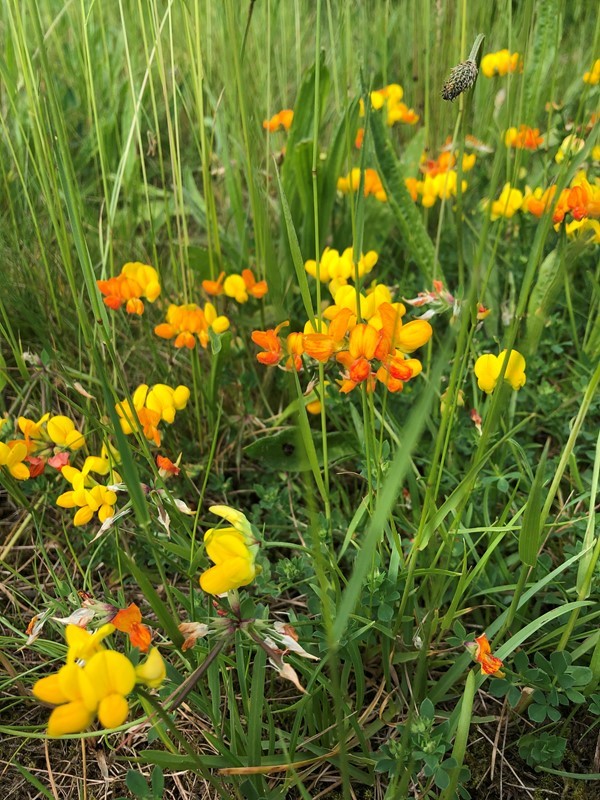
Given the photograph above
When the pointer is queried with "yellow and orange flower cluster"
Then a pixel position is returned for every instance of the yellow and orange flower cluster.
(94, 682)
(593, 76)
(500, 63)
(507, 205)
(362, 333)
(186, 322)
(372, 184)
(47, 441)
(283, 119)
(580, 201)
(337, 268)
(239, 287)
(523, 138)
(390, 97)
(135, 281)
(149, 407)
(440, 180)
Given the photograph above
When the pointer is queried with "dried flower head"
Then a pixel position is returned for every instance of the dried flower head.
(462, 77)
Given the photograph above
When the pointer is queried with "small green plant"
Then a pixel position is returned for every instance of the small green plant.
(139, 788)
(542, 748)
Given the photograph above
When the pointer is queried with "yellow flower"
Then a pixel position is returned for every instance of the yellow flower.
(500, 63)
(488, 368)
(509, 202)
(232, 550)
(98, 500)
(150, 406)
(338, 268)
(49, 430)
(81, 693)
(135, 281)
(152, 671)
(94, 682)
(593, 77)
(11, 457)
(187, 321)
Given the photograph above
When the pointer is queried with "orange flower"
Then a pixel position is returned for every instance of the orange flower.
(166, 467)
(135, 281)
(256, 288)
(525, 138)
(282, 119)
(186, 320)
(321, 346)
(360, 136)
(214, 287)
(372, 184)
(295, 346)
(482, 653)
(271, 344)
(129, 620)
(362, 346)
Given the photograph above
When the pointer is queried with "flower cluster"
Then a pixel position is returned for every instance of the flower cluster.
(577, 206)
(500, 63)
(50, 440)
(363, 333)
(283, 119)
(186, 322)
(488, 368)
(337, 269)
(233, 552)
(507, 205)
(593, 76)
(88, 495)
(135, 281)
(150, 406)
(390, 97)
(239, 287)
(440, 180)
(94, 682)
(372, 184)
(523, 138)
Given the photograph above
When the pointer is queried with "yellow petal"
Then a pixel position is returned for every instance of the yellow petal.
(225, 543)
(413, 335)
(49, 690)
(231, 574)
(69, 718)
(487, 370)
(110, 673)
(153, 671)
(113, 711)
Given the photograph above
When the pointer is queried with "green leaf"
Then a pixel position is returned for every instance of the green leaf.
(136, 783)
(529, 537)
(548, 285)
(414, 234)
(285, 450)
(158, 783)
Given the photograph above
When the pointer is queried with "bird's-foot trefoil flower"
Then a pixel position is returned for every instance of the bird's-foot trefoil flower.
(482, 653)
(233, 552)
(135, 281)
(488, 368)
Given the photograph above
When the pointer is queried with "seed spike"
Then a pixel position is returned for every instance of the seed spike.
(462, 77)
